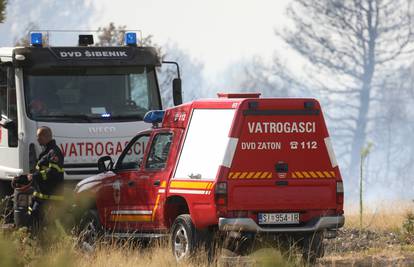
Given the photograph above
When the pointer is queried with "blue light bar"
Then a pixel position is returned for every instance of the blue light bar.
(36, 39)
(154, 116)
(130, 38)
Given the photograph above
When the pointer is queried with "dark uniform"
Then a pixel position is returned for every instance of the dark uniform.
(47, 182)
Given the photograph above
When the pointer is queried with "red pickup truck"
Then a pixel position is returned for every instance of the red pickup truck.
(239, 165)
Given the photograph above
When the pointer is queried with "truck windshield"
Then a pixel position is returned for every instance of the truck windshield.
(91, 94)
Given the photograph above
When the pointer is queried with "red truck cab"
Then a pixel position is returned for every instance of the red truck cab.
(237, 164)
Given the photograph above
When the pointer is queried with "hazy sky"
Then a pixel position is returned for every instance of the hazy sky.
(215, 32)
(218, 32)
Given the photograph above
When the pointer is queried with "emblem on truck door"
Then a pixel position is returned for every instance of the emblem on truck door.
(117, 191)
(101, 130)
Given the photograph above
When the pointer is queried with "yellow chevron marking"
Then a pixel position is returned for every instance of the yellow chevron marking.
(327, 174)
(320, 174)
(243, 175)
(264, 174)
(192, 185)
(270, 175)
(299, 175)
(163, 184)
(236, 175)
(293, 175)
(313, 175)
(250, 175)
(333, 173)
(257, 175)
(306, 175)
(231, 175)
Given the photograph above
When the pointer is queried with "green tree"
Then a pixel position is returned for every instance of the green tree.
(3, 4)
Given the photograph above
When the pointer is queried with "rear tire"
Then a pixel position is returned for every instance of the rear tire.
(313, 247)
(185, 239)
(90, 230)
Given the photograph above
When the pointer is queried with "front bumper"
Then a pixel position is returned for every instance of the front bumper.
(249, 225)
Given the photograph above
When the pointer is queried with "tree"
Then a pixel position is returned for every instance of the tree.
(112, 35)
(3, 4)
(47, 15)
(356, 44)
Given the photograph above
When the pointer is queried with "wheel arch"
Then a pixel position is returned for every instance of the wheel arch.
(174, 206)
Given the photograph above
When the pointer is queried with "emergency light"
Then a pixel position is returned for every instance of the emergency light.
(131, 38)
(36, 39)
(154, 116)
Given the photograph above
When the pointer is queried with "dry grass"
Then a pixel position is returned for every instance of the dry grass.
(18, 249)
(382, 215)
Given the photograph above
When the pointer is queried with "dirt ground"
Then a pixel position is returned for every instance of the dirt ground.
(354, 247)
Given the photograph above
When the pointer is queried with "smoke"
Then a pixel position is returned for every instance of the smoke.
(23, 16)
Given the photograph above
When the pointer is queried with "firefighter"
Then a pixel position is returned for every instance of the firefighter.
(47, 179)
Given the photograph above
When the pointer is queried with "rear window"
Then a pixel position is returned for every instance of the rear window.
(205, 144)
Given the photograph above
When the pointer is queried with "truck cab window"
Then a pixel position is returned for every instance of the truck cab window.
(132, 156)
(90, 94)
(3, 91)
(158, 155)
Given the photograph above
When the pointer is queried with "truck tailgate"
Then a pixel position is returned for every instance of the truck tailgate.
(283, 160)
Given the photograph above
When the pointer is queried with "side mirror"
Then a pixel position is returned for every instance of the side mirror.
(177, 92)
(105, 164)
(7, 123)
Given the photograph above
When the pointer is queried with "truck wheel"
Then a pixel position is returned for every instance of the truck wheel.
(313, 247)
(241, 246)
(90, 230)
(184, 238)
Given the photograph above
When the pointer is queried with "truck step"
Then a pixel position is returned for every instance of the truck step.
(136, 235)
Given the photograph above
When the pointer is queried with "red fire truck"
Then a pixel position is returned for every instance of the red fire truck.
(238, 165)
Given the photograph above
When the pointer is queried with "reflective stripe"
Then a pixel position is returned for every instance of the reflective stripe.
(49, 197)
(53, 165)
(44, 175)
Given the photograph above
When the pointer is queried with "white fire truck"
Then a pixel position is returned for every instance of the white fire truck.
(93, 98)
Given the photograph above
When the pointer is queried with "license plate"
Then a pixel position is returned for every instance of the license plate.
(278, 218)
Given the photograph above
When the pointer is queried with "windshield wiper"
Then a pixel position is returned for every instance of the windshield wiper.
(65, 116)
(120, 117)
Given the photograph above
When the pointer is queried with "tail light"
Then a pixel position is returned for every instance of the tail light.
(221, 198)
(339, 192)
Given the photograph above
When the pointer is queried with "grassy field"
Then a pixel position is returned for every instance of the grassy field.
(385, 239)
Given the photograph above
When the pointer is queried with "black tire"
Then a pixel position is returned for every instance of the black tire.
(313, 247)
(90, 230)
(241, 246)
(185, 239)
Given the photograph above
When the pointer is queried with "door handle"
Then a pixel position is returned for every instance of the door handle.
(157, 182)
(131, 183)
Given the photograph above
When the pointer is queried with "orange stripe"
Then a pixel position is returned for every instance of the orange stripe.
(299, 174)
(293, 175)
(270, 175)
(306, 174)
(163, 184)
(131, 218)
(257, 175)
(236, 175)
(155, 207)
(250, 175)
(264, 174)
(320, 174)
(333, 173)
(327, 174)
(243, 175)
(313, 175)
(231, 175)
